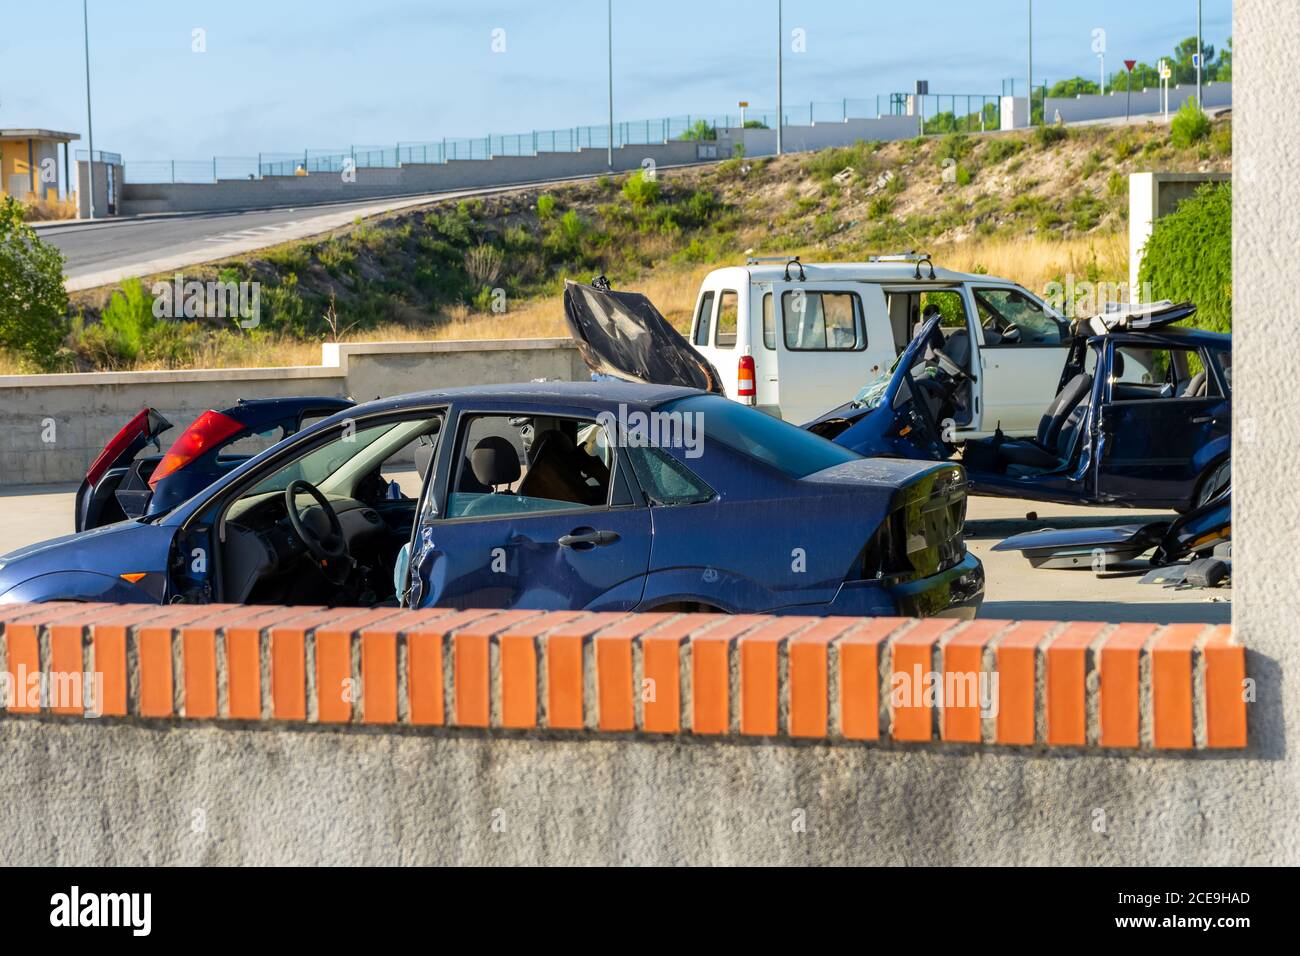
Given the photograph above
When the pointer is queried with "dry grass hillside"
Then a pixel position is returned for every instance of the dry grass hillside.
(1030, 206)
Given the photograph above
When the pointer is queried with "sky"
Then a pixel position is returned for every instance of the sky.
(284, 75)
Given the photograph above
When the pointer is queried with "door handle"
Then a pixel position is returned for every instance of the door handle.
(1201, 420)
(583, 538)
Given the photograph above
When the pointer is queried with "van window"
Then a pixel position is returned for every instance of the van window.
(728, 314)
(769, 322)
(1011, 318)
(702, 319)
(821, 321)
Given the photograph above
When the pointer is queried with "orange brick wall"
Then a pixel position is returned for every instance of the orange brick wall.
(1178, 687)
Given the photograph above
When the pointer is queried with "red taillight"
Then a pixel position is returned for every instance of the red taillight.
(115, 449)
(209, 430)
(745, 380)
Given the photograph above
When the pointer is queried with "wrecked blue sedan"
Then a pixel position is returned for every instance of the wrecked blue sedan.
(1142, 418)
(600, 496)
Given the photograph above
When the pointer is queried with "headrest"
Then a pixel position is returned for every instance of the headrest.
(495, 461)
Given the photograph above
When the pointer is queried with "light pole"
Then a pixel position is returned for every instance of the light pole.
(90, 130)
(1200, 55)
(609, 20)
(1029, 119)
(780, 103)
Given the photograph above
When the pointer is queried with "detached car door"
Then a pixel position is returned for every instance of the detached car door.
(531, 511)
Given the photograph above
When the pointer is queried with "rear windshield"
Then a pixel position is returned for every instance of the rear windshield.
(783, 446)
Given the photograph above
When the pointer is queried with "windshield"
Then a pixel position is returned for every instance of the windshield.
(785, 447)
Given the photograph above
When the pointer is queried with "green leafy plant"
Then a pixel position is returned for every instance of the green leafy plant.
(1189, 256)
(641, 190)
(33, 302)
(545, 206)
(1047, 136)
(1189, 125)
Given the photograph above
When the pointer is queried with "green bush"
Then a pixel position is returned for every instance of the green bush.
(545, 206)
(1046, 136)
(33, 303)
(1002, 147)
(1189, 125)
(1189, 256)
(640, 190)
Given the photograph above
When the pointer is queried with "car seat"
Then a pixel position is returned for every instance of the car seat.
(495, 464)
(1057, 429)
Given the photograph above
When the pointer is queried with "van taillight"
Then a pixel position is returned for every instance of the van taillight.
(745, 380)
(209, 429)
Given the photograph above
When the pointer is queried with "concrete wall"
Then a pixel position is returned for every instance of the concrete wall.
(103, 205)
(53, 426)
(436, 737)
(1266, 456)
(1091, 106)
(1150, 196)
(762, 142)
(409, 179)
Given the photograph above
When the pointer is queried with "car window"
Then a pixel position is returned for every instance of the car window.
(665, 479)
(1144, 374)
(1010, 317)
(703, 320)
(1222, 360)
(728, 315)
(521, 465)
(769, 322)
(822, 321)
(785, 447)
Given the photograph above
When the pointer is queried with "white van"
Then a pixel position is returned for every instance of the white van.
(798, 339)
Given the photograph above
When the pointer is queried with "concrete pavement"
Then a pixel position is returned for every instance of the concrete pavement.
(1014, 590)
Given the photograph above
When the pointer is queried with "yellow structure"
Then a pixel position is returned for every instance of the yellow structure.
(30, 167)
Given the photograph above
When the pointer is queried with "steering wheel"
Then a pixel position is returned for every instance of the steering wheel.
(320, 530)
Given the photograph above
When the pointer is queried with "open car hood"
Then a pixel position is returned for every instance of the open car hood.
(622, 334)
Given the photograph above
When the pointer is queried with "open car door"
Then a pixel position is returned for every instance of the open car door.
(622, 334)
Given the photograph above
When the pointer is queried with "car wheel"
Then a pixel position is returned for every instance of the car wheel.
(1214, 481)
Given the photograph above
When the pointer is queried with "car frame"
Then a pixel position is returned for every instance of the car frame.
(867, 551)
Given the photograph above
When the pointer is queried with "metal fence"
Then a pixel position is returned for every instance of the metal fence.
(566, 140)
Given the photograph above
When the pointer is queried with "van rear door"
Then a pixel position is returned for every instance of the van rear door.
(831, 340)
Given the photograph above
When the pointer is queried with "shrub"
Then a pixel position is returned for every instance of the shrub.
(640, 190)
(1002, 147)
(1189, 125)
(33, 303)
(1047, 136)
(545, 206)
(1189, 256)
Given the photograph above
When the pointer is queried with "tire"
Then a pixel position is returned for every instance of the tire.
(1216, 476)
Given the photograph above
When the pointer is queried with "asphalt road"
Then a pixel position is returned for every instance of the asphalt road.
(108, 250)
(1014, 590)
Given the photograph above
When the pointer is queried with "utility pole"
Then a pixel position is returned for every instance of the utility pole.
(609, 21)
(90, 130)
(1200, 55)
(1029, 119)
(780, 102)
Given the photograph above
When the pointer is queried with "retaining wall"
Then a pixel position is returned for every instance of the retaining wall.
(1091, 106)
(53, 426)
(307, 735)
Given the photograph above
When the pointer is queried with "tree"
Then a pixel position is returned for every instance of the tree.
(1076, 86)
(33, 302)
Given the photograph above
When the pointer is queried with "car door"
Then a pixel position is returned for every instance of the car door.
(1155, 442)
(823, 352)
(1023, 347)
(524, 543)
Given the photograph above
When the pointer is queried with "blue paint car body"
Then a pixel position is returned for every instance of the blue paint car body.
(1157, 453)
(855, 537)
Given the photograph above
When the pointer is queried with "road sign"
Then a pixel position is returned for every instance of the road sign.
(1129, 64)
(1196, 59)
(1164, 70)
(743, 103)
(922, 87)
